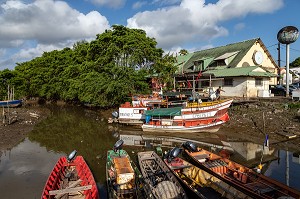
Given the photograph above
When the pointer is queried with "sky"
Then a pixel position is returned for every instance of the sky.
(28, 28)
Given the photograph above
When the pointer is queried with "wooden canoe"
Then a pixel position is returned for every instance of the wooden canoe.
(159, 179)
(246, 180)
(188, 175)
(71, 180)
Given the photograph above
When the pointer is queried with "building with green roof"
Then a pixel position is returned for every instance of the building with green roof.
(243, 69)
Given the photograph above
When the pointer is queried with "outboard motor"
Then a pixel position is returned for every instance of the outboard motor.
(190, 146)
(173, 154)
(115, 114)
(118, 145)
(72, 156)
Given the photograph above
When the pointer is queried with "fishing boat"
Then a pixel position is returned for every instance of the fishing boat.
(71, 178)
(158, 178)
(163, 120)
(220, 105)
(10, 103)
(246, 180)
(124, 180)
(133, 113)
(198, 181)
(129, 114)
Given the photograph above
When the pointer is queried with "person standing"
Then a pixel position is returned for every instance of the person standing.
(218, 93)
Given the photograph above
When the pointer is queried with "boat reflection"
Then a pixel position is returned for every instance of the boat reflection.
(245, 152)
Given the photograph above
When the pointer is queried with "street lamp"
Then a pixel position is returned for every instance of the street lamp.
(287, 35)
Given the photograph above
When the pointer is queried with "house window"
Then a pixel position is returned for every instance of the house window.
(228, 82)
(258, 81)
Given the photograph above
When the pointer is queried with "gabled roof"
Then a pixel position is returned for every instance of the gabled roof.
(251, 71)
(181, 60)
(243, 47)
(236, 52)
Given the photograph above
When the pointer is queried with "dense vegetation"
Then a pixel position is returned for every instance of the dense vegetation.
(103, 72)
(295, 63)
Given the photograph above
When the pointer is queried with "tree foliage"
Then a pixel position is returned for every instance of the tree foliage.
(295, 63)
(102, 72)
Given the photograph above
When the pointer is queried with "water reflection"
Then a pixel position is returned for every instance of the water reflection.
(26, 167)
(248, 153)
(76, 128)
(23, 170)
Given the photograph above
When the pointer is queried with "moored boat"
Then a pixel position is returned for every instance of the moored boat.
(198, 181)
(71, 178)
(158, 178)
(244, 179)
(220, 105)
(165, 122)
(133, 113)
(10, 103)
(122, 176)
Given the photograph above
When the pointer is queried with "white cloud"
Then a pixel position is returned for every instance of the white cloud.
(46, 22)
(110, 3)
(193, 20)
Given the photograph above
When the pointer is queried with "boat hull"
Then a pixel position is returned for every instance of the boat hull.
(85, 180)
(188, 126)
(11, 103)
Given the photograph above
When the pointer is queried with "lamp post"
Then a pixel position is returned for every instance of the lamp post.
(287, 35)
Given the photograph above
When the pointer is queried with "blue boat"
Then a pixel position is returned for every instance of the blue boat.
(11, 103)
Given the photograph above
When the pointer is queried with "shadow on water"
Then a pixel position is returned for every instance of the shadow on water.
(70, 128)
(28, 164)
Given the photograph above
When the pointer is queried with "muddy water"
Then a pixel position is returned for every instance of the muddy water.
(25, 168)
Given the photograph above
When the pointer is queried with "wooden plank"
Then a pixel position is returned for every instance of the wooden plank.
(288, 135)
(70, 190)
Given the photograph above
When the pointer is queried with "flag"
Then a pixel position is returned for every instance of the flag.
(199, 75)
(267, 141)
(189, 84)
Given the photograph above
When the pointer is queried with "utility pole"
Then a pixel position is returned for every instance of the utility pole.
(279, 60)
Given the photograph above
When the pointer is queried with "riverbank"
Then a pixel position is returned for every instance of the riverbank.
(22, 119)
(248, 121)
(279, 119)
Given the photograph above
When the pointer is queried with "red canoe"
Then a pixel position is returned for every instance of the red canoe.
(72, 179)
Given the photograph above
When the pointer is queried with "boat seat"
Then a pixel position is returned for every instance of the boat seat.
(70, 190)
(148, 158)
(202, 156)
(260, 188)
(180, 167)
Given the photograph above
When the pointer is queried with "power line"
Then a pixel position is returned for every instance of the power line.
(295, 49)
(272, 45)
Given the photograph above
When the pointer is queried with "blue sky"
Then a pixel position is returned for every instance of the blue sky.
(28, 28)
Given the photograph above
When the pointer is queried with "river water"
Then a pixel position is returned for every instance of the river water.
(25, 168)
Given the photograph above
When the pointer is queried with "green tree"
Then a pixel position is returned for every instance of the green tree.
(183, 52)
(164, 69)
(102, 72)
(295, 63)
